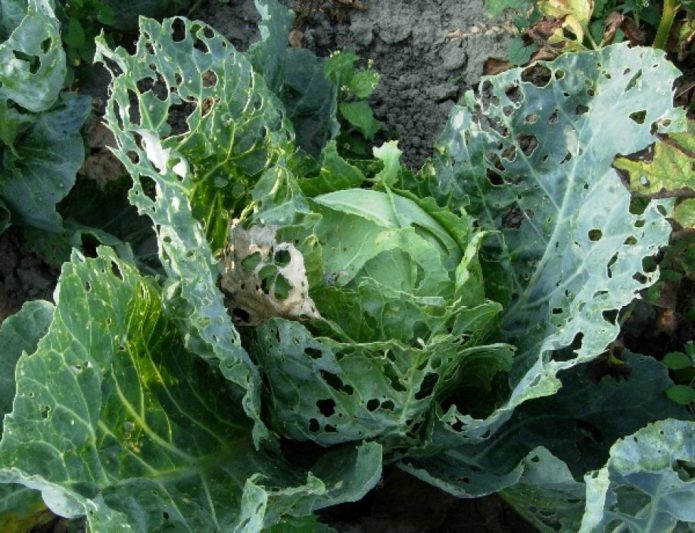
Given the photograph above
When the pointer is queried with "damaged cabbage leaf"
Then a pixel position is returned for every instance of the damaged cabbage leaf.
(191, 104)
(577, 425)
(531, 159)
(114, 419)
(234, 132)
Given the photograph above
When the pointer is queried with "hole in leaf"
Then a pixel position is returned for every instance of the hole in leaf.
(282, 288)
(314, 353)
(513, 218)
(527, 143)
(209, 78)
(178, 32)
(149, 187)
(335, 382)
(640, 278)
(34, 62)
(116, 270)
(250, 262)
(327, 407)
(494, 178)
(634, 80)
(388, 405)
(46, 45)
(314, 425)
(638, 116)
(427, 386)
(539, 75)
(610, 315)
(514, 94)
(240, 314)
(282, 258)
(581, 109)
(373, 405)
(611, 263)
(595, 235)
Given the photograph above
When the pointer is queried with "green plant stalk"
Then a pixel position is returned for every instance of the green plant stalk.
(668, 14)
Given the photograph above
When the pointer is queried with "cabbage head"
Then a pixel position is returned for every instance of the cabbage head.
(367, 307)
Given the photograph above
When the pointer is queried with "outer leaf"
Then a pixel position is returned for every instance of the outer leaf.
(576, 425)
(297, 77)
(201, 174)
(331, 392)
(20, 333)
(116, 420)
(671, 168)
(532, 159)
(21, 509)
(32, 61)
(47, 159)
(547, 495)
(647, 484)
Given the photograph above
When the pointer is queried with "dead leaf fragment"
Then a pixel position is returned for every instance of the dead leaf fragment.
(265, 278)
(295, 38)
(495, 65)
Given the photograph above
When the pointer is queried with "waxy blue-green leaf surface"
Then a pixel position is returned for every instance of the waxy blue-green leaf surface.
(531, 159)
(647, 484)
(116, 420)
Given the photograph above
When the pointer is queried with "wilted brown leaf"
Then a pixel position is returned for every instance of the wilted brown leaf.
(495, 65)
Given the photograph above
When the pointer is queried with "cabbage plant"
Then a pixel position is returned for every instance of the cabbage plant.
(317, 318)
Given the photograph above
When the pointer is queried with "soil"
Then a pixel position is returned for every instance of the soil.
(23, 275)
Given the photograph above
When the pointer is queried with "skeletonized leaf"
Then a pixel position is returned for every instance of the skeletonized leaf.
(190, 182)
